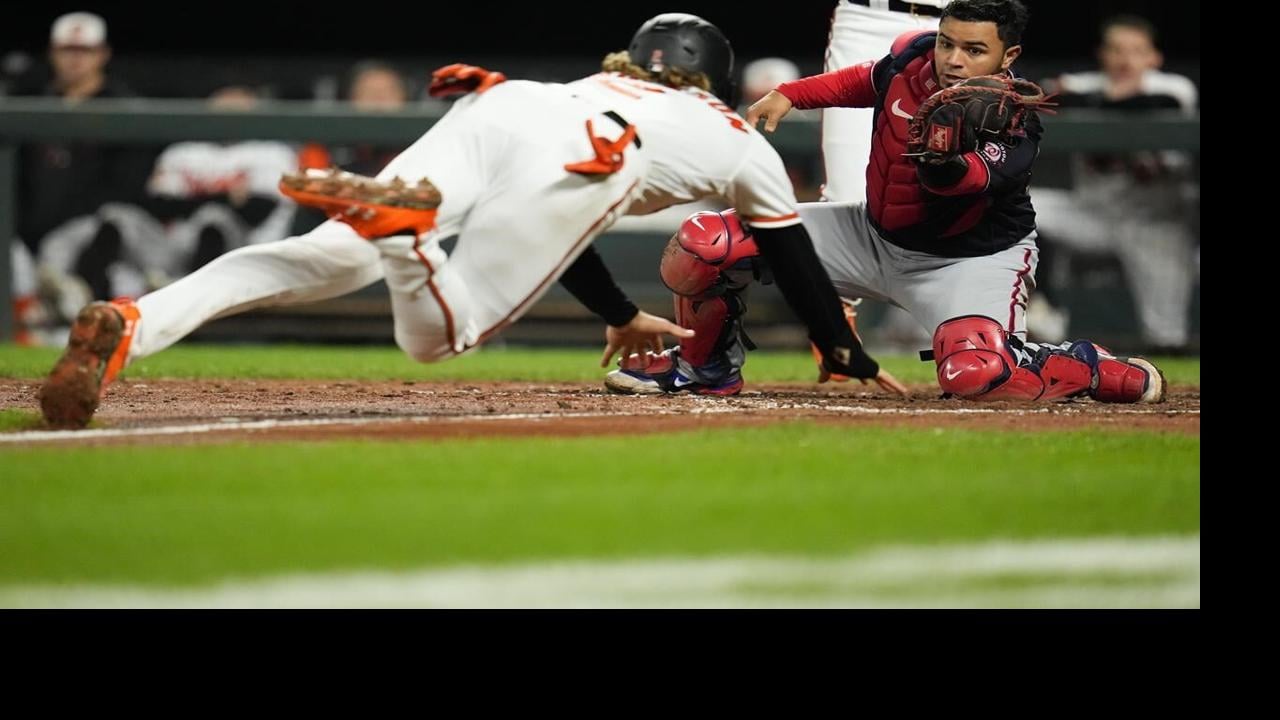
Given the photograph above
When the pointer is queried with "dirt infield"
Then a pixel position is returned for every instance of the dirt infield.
(183, 411)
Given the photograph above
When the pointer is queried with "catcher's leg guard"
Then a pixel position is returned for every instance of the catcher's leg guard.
(708, 364)
(708, 255)
(708, 264)
(716, 321)
(977, 359)
(1120, 380)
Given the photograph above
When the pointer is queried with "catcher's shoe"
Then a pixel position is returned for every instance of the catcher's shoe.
(1118, 379)
(373, 208)
(851, 317)
(95, 354)
(659, 374)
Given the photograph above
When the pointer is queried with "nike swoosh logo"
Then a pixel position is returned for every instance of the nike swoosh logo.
(952, 375)
(698, 222)
(899, 111)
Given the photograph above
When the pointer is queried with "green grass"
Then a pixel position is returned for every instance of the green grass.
(388, 363)
(13, 419)
(184, 515)
(178, 515)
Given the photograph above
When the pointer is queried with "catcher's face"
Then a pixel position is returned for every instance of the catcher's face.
(969, 49)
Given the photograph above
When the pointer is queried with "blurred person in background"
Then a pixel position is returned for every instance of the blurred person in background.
(761, 76)
(202, 199)
(29, 314)
(375, 86)
(1138, 205)
(60, 181)
(63, 180)
(225, 194)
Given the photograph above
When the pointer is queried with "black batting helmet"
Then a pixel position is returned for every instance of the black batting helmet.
(687, 42)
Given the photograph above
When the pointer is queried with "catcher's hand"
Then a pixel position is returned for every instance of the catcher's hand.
(459, 79)
(771, 108)
(960, 118)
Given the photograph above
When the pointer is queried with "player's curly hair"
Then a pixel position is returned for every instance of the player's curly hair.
(620, 62)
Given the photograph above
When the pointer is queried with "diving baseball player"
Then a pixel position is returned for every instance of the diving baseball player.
(526, 175)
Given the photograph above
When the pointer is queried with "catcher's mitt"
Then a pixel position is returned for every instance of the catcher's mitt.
(958, 119)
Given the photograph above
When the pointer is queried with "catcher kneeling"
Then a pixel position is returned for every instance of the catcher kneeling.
(947, 231)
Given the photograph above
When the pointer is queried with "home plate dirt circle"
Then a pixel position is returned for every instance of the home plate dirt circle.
(184, 411)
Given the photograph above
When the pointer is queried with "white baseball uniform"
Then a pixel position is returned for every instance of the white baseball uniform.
(521, 218)
(861, 30)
